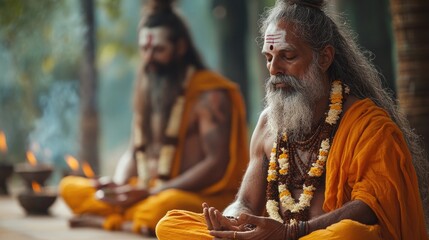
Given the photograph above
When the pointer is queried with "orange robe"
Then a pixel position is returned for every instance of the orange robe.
(79, 195)
(369, 160)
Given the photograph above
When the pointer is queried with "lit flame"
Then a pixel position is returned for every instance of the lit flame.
(31, 158)
(3, 143)
(72, 162)
(87, 170)
(36, 187)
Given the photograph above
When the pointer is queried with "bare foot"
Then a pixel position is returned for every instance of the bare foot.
(86, 220)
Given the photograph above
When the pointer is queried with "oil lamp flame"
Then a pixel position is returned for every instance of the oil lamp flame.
(72, 162)
(31, 158)
(3, 143)
(36, 187)
(87, 170)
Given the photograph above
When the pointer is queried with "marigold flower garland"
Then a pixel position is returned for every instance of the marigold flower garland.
(278, 170)
(168, 150)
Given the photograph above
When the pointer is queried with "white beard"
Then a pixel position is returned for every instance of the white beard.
(291, 111)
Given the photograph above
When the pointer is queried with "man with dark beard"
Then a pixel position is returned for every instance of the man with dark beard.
(330, 158)
(189, 137)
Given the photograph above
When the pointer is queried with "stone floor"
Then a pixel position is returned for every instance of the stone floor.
(15, 224)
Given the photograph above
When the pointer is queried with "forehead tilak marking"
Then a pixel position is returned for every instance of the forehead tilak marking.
(272, 39)
(149, 39)
(275, 38)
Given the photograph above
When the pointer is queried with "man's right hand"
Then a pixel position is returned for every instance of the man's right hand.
(216, 221)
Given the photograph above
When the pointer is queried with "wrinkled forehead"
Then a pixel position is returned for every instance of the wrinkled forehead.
(275, 38)
(153, 36)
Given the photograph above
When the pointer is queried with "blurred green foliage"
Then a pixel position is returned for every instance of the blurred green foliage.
(39, 44)
(40, 54)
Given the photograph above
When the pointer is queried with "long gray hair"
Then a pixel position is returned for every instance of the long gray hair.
(314, 26)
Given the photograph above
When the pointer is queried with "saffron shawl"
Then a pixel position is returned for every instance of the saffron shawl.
(370, 161)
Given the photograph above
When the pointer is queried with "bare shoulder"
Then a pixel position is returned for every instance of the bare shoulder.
(215, 104)
(214, 96)
(261, 137)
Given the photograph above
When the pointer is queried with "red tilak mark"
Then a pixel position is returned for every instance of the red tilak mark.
(272, 38)
(272, 41)
(149, 40)
(274, 35)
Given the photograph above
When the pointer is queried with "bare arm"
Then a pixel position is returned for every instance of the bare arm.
(116, 191)
(127, 167)
(251, 196)
(213, 113)
(355, 210)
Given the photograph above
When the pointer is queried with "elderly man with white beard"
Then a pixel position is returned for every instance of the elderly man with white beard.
(331, 157)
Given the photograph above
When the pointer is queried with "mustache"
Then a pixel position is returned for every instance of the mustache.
(160, 68)
(288, 80)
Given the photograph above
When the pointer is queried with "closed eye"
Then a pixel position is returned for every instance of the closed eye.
(288, 55)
